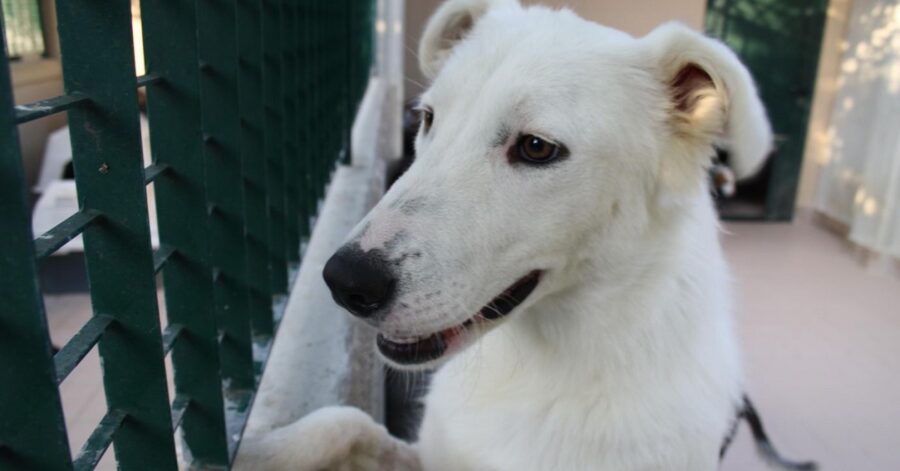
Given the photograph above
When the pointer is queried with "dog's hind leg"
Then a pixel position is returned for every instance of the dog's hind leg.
(333, 439)
(764, 446)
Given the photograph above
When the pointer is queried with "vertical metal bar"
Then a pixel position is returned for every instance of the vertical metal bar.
(344, 24)
(307, 89)
(291, 143)
(217, 54)
(349, 78)
(170, 49)
(98, 61)
(318, 122)
(32, 429)
(300, 122)
(249, 34)
(274, 141)
(326, 103)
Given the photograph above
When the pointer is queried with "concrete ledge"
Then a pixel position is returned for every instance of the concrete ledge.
(320, 356)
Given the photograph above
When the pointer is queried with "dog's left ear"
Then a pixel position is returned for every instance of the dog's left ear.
(447, 27)
(713, 99)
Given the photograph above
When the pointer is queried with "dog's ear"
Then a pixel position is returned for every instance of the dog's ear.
(447, 27)
(713, 99)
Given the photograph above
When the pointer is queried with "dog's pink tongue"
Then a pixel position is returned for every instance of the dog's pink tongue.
(450, 337)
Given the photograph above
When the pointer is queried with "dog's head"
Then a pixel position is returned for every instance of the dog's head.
(550, 148)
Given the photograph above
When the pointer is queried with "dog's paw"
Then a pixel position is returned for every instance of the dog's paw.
(333, 438)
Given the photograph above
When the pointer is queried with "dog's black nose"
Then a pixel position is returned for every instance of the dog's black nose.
(359, 281)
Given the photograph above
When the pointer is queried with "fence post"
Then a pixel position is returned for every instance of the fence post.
(217, 54)
(98, 62)
(308, 140)
(291, 147)
(274, 143)
(250, 81)
(170, 49)
(32, 429)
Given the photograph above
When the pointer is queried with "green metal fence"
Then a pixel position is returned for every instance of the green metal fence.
(250, 104)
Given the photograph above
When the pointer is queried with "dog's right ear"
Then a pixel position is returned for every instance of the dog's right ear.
(447, 27)
(713, 99)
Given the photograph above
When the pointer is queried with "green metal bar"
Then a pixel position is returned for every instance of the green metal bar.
(63, 232)
(97, 444)
(170, 335)
(162, 256)
(154, 170)
(98, 61)
(256, 216)
(32, 428)
(274, 140)
(301, 68)
(349, 78)
(72, 352)
(176, 137)
(148, 79)
(291, 142)
(179, 406)
(307, 121)
(217, 53)
(321, 120)
(311, 115)
(314, 120)
(42, 108)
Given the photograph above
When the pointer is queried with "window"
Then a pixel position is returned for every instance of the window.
(24, 32)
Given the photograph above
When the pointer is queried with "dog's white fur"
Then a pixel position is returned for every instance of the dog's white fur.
(623, 358)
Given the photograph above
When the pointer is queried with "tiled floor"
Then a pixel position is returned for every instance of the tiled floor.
(821, 336)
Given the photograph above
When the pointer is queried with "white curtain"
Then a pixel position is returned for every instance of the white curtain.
(860, 183)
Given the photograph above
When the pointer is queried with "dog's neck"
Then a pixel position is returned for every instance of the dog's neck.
(660, 312)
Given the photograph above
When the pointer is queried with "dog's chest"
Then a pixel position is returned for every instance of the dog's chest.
(486, 419)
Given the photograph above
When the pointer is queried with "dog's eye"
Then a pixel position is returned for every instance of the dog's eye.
(427, 117)
(536, 150)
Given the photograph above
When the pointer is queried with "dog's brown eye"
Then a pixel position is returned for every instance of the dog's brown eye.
(427, 116)
(533, 149)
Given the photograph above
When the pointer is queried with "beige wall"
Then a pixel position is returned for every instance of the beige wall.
(636, 17)
(817, 137)
(36, 80)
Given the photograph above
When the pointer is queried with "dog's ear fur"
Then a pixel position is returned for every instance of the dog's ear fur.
(447, 27)
(713, 99)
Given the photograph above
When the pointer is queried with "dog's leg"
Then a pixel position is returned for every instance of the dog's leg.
(332, 438)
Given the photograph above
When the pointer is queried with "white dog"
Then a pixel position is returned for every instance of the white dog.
(554, 247)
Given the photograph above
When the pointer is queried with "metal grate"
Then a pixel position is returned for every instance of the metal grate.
(250, 105)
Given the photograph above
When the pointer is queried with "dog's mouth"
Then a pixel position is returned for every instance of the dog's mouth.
(422, 349)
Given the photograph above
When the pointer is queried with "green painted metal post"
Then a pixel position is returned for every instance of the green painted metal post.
(318, 119)
(217, 54)
(349, 97)
(32, 429)
(274, 142)
(299, 154)
(98, 62)
(170, 50)
(256, 216)
(309, 142)
(291, 142)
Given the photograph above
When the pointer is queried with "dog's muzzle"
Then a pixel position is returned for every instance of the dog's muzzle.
(422, 349)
